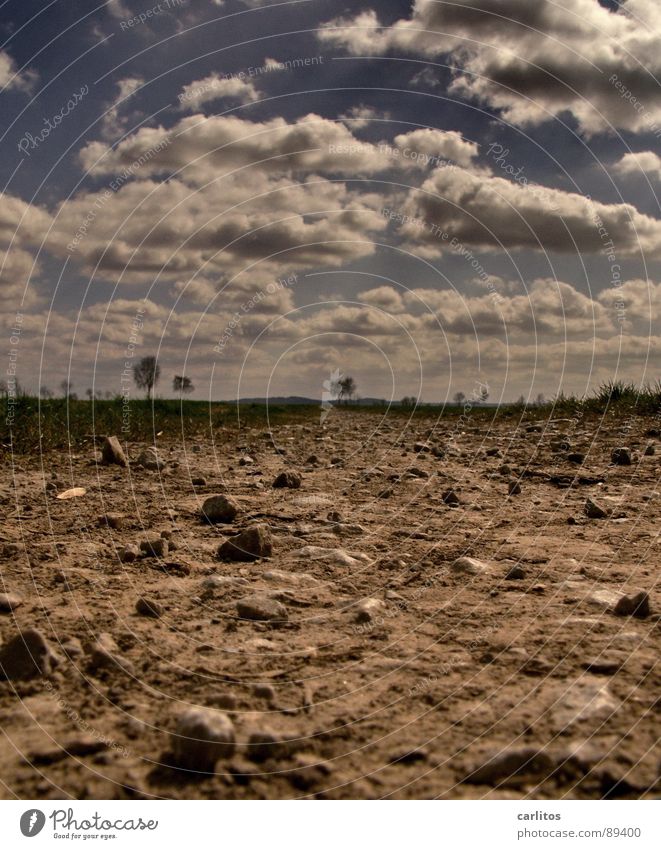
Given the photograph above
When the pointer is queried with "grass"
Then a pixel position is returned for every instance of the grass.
(31, 426)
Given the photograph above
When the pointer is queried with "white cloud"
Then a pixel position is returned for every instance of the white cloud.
(644, 163)
(213, 87)
(10, 78)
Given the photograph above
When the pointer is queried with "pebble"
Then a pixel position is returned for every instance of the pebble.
(369, 609)
(155, 547)
(9, 602)
(250, 544)
(149, 459)
(287, 480)
(203, 736)
(621, 456)
(521, 764)
(149, 607)
(576, 457)
(27, 655)
(129, 554)
(470, 566)
(422, 448)
(199, 481)
(637, 605)
(112, 452)
(514, 488)
(450, 498)
(261, 609)
(219, 508)
(264, 691)
(102, 652)
(516, 573)
(650, 450)
(264, 744)
(594, 510)
(112, 520)
(246, 461)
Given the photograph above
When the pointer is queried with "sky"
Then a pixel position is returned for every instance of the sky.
(429, 196)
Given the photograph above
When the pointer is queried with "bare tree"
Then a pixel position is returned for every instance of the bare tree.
(66, 386)
(541, 400)
(409, 402)
(183, 385)
(484, 395)
(146, 374)
(459, 398)
(45, 393)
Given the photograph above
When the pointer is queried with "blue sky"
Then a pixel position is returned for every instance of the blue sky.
(429, 196)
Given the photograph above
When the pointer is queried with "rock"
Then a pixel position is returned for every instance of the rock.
(587, 698)
(287, 480)
(9, 602)
(450, 498)
(27, 655)
(261, 609)
(199, 481)
(605, 599)
(112, 520)
(219, 508)
(102, 653)
(594, 510)
(312, 460)
(493, 452)
(129, 554)
(246, 461)
(264, 691)
(264, 744)
(150, 460)
(334, 556)
(203, 736)
(369, 609)
(516, 573)
(576, 457)
(514, 488)
(470, 566)
(621, 456)
(560, 445)
(222, 582)
(650, 450)
(334, 516)
(155, 547)
(517, 764)
(422, 448)
(112, 452)
(637, 605)
(607, 663)
(250, 544)
(148, 607)
(505, 469)
(416, 472)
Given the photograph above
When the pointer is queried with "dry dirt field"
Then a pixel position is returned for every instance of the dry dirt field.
(364, 658)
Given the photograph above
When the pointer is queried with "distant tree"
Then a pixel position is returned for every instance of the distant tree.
(347, 388)
(521, 401)
(146, 374)
(541, 400)
(484, 395)
(45, 393)
(108, 395)
(90, 394)
(409, 402)
(182, 384)
(66, 386)
(4, 389)
(459, 398)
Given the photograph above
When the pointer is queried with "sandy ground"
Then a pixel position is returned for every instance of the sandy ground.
(511, 677)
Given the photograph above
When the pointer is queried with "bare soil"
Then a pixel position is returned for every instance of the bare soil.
(416, 696)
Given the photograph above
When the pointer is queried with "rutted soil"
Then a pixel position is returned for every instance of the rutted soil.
(513, 674)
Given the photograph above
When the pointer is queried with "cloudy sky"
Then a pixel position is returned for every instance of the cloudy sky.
(429, 195)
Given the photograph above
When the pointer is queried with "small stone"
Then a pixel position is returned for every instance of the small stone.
(9, 602)
(516, 573)
(250, 544)
(594, 510)
(416, 472)
(129, 554)
(150, 460)
(650, 450)
(368, 610)
(637, 605)
(514, 764)
(335, 516)
(470, 566)
(287, 480)
(264, 691)
(312, 460)
(112, 452)
(607, 663)
(112, 520)
(246, 461)
(264, 744)
(102, 653)
(421, 447)
(199, 481)
(27, 655)
(261, 609)
(493, 452)
(505, 469)
(148, 607)
(450, 498)
(621, 456)
(155, 547)
(576, 457)
(219, 508)
(202, 737)
(514, 488)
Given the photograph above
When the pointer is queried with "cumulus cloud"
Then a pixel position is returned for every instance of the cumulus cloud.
(215, 86)
(533, 61)
(10, 78)
(645, 163)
